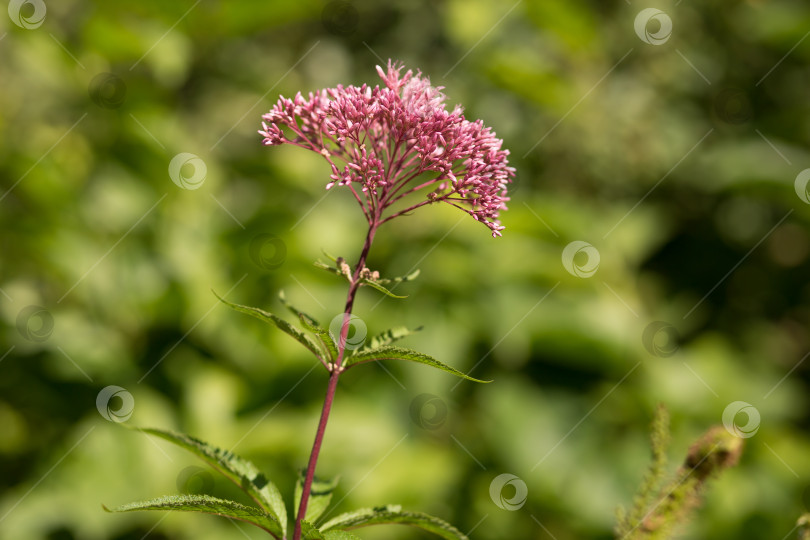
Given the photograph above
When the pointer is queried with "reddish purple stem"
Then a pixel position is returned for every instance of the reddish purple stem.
(333, 380)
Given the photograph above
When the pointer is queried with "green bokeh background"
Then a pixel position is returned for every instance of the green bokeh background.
(675, 161)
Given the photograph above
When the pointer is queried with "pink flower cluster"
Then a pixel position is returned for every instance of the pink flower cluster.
(397, 147)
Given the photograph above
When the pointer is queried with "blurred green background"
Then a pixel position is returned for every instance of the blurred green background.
(673, 154)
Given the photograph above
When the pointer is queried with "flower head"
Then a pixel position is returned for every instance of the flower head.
(397, 145)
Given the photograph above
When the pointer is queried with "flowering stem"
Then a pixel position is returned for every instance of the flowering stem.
(333, 379)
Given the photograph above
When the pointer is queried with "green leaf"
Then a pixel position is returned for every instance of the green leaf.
(208, 505)
(387, 338)
(320, 495)
(333, 269)
(410, 277)
(376, 285)
(393, 514)
(280, 323)
(340, 535)
(295, 311)
(399, 353)
(238, 470)
(312, 325)
(330, 257)
(310, 532)
(324, 266)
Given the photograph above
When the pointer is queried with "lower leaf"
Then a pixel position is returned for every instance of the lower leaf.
(208, 505)
(310, 532)
(393, 514)
(340, 535)
(238, 470)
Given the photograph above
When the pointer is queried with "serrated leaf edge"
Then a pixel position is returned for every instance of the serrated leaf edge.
(173, 502)
(280, 323)
(349, 520)
(387, 338)
(399, 353)
(265, 504)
